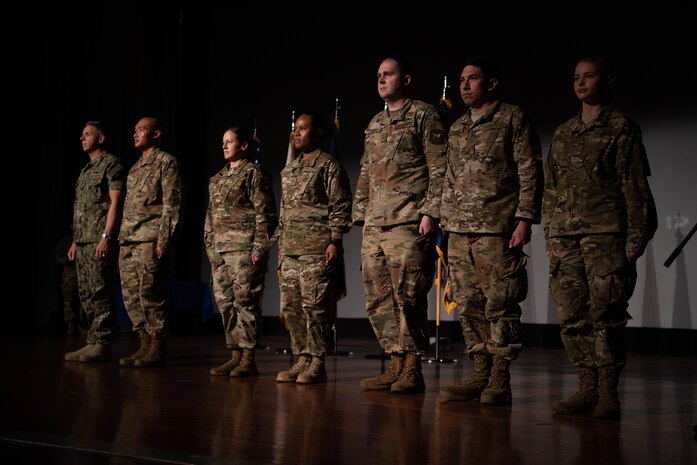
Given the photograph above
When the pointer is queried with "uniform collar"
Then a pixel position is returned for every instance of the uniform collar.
(311, 159)
(599, 121)
(399, 115)
(487, 116)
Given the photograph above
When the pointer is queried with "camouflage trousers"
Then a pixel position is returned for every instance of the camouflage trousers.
(591, 282)
(71, 296)
(398, 269)
(144, 287)
(487, 281)
(308, 301)
(96, 280)
(238, 286)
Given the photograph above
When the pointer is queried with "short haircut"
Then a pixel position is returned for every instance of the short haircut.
(490, 69)
(403, 65)
(99, 126)
(154, 122)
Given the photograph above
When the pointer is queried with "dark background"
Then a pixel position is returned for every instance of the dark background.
(200, 67)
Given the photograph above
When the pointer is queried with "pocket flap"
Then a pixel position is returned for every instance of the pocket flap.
(606, 264)
(510, 266)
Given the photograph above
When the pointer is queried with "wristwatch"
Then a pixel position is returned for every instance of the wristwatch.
(106, 236)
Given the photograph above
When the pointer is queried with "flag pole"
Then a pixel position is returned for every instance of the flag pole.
(257, 143)
(438, 284)
(342, 264)
(289, 159)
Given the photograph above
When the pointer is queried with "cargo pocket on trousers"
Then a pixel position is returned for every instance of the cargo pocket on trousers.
(612, 286)
(604, 265)
(415, 283)
(511, 279)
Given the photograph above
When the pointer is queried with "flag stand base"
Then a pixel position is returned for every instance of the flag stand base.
(440, 343)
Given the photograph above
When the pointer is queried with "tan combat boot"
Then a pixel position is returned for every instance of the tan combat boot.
(411, 380)
(585, 399)
(156, 356)
(472, 387)
(75, 355)
(608, 405)
(291, 375)
(247, 365)
(227, 367)
(142, 350)
(99, 352)
(498, 391)
(315, 373)
(386, 379)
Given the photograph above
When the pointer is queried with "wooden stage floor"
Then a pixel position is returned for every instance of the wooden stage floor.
(76, 413)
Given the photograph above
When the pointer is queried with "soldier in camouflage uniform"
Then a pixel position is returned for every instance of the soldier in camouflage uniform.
(315, 214)
(71, 299)
(398, 204)
(492, 195)
(151, 214)
(99, 196)
(240, 220)
(598, 215)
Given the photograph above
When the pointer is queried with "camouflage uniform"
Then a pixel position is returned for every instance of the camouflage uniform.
(401, 180)
(151, 213)
(96, 277)
(315, 211)
(240, 219)
(494, 179)
(597, 208)
(69, 287)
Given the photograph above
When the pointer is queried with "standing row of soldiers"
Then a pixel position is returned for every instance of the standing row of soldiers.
(482, 181)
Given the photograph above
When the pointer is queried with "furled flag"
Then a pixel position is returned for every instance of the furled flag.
(256, 146)
(334, 152)
(442, 273)
(289, 158)
(334, 145)
(291, 148)
(444, 104)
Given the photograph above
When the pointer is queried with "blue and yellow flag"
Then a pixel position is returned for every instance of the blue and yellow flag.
(444, 104)
(442, 275)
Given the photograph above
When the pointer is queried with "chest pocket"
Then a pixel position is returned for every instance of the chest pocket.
(493, 146)
(91, 187)
(374, 139)
(145, 185)
(404, 143)
(311, 184)
(234, 192)
(303, 185)
(600, 154)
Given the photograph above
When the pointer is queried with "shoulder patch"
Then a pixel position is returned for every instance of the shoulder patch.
(437, 137)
